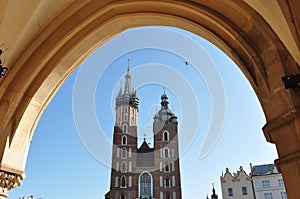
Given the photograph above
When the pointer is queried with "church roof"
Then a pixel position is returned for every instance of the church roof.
(145, 156)
(145, 148)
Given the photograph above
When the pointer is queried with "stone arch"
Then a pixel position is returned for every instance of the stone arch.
(233, 26)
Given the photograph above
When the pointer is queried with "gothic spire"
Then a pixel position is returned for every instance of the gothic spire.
(127, 89)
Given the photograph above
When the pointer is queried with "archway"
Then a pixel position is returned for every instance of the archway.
(233, 26)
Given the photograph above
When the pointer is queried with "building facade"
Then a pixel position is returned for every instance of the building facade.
(263, 182)
(144, 172)
(267, 182)
(237, 185)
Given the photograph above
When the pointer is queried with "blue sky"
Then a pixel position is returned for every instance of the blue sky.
(68, 159)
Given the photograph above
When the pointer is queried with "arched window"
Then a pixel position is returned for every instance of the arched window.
(167, 182)
(167, 167)
(145, 181)
(123, 167)
(123, 196)
(124, 140)
(167, 195)
(166, 151)
(124, 153)
(166, 136)
(125, 129)
(123, 182)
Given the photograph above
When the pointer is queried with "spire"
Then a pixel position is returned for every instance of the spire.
(214, 195)
(128, 65)
(127, 89)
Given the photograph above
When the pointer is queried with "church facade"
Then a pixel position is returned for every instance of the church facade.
(142, 172)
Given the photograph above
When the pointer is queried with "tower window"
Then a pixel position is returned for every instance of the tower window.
(230, 192)
(125, 129)
(167, 195)
(124, 140)
(123, 196)
(123, 182)
(166, 151)
(167, 167)
(167, 182)
(166, 136)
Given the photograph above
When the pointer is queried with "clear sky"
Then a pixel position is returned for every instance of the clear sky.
(219, 115)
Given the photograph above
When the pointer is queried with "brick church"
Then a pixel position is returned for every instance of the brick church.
(142, 172)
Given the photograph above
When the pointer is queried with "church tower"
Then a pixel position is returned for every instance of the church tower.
(144, 172)
(165, 129)
(125, 142)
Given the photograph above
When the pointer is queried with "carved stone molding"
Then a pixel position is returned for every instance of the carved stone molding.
(9, 180)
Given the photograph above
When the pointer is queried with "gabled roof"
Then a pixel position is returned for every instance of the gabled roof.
(145, 148)
(235, 177)
(145, 156)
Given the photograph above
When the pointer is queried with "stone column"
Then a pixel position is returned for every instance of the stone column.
(8, 181)
(284, 131)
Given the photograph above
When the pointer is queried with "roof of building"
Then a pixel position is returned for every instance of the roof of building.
(145, 148)
(145, 156)
(235, 176)
(264, 169)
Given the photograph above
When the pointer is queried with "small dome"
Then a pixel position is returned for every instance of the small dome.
(164, 96)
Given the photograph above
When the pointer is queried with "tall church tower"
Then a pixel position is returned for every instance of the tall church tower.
(165, 129)
(144, 172)
(125, 142)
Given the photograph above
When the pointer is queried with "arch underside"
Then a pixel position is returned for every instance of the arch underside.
(76, 32)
